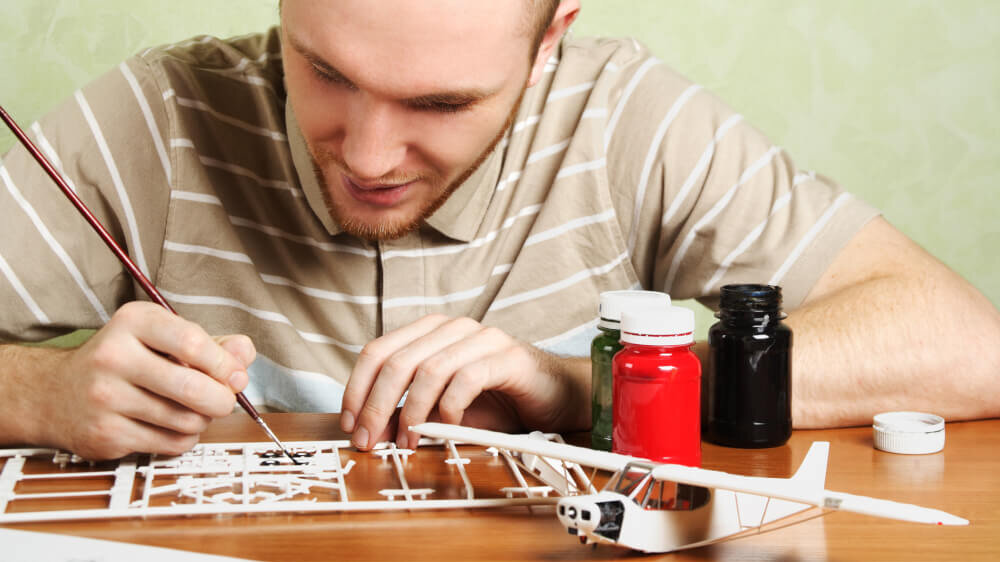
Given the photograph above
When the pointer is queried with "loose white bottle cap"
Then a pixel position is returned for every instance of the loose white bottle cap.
(658, 325)
(909, 433)
(613, 303)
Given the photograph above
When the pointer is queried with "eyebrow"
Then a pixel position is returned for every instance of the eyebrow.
(454, 97)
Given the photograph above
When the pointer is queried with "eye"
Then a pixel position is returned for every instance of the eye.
(324, 75)
(448, 107)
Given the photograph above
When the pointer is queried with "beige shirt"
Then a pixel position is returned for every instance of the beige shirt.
(618, 173)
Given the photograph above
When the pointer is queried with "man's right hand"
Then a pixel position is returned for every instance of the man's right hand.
(120, 392)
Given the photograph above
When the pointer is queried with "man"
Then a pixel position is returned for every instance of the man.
(458, 182)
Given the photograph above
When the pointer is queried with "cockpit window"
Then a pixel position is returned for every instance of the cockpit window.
(633, 478)
(662, 494)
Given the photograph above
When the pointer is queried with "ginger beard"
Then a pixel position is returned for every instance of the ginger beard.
(391, 229)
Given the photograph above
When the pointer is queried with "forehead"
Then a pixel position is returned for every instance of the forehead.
(403, 47)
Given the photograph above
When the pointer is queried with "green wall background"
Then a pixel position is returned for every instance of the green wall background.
(899, 100)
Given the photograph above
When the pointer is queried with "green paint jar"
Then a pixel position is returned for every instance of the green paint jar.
(603, 349)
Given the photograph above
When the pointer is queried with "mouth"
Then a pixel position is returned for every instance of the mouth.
(376, 195)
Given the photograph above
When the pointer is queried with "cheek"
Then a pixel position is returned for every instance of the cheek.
(317, 105)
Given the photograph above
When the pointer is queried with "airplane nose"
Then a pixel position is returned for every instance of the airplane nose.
(577, 516)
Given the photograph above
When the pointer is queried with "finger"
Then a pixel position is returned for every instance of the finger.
(469, 382)
(186, 386)
(435, 372)
(397, 372)
(185, 341)
(370, 361)
(241, 347)
(113, 436)
(142, 405)
(162, 441)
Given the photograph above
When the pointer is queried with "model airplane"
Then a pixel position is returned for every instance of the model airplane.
(665, 507)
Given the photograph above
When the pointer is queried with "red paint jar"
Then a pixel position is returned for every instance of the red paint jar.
(657, 387)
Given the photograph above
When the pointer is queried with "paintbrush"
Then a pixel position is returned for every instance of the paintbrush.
(134, 270)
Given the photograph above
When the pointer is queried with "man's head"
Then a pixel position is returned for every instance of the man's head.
(400, 101)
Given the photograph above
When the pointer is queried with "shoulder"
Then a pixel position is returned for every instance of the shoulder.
(211, 63)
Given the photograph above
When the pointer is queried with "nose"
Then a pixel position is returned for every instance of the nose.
(373, 143)
(576, 516)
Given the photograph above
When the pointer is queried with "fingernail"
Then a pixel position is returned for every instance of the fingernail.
(238, 380)
(347, 421)
(402, 441)
(360, 438)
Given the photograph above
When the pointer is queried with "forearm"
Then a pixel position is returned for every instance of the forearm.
(921, 342)
(23, 379)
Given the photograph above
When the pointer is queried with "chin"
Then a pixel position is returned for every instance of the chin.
(383, 228)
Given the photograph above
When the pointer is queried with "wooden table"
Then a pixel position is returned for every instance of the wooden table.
(964, 479)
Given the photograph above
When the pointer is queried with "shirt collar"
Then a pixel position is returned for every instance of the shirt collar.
(458, 218)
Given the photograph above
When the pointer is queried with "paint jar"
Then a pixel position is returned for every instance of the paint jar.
(604, 347)
(657, 383)
(747, 390)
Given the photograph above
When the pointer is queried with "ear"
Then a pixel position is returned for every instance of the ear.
(563, 18)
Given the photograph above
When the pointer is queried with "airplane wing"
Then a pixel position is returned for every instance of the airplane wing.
(805, 488)
(603, 460)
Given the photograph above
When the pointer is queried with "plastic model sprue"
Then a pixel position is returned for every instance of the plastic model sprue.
(644, 506)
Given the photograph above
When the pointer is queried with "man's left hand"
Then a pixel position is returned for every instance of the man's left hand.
(459, 371)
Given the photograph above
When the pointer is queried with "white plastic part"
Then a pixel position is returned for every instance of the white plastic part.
(908, 433)
(733, 504)
(658, 325)
(217, 478)
(613, 303)
(236, 478)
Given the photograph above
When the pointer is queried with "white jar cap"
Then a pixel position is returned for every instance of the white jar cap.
(658, 325)
(613, 303)
(909, 433)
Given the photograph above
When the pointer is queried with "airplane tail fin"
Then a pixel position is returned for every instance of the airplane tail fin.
(811, 474)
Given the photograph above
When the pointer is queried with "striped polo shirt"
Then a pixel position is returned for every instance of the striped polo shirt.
(617, 173)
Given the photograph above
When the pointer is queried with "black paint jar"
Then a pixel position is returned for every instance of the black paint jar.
(747, 388)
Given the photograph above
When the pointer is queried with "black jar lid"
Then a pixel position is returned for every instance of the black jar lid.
(750, 297)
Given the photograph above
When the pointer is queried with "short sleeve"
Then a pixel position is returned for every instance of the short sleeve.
(708, 200)
(109, 141)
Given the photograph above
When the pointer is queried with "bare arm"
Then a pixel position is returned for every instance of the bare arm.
(889, 327)
(118, 393)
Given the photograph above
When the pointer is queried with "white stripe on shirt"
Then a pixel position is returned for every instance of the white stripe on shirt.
(207, 300)
(501, 304)
(318, 293)
(54, 245)
(206, 251)
(195, 197)
(699, 168)
(116, 179)
(813, 232)
(457, 248)
(568, 226)
(305, 240)
(51, 154)
(651, 154)
(22, 292)
(202, 106)
(399, 302)
(714, 211)
(569, 91)
(753, 235)
(626, 94)
(147, 114)
(247, 173)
